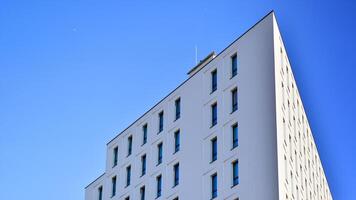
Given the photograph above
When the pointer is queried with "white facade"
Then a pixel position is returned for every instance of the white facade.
(276, 154)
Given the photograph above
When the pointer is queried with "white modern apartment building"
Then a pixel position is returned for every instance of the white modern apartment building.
(235, 129)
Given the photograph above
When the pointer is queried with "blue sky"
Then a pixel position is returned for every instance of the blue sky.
(75, 73)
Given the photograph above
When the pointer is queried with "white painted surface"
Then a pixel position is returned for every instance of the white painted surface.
(259, 114)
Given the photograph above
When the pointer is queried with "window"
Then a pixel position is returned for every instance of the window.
(235, 134)
(176, 141)
(142, 192)
(233, 65)
(235, 172)
(214, 114)
(143, 165)
(234, 99)
(177, 104)
(214, 186)
(214, 149)
(144, 134)
(214, 80)
(129, 145)
(160, 126)
(175, 198)
(113, 184)
(159, 186)
(160, 151)
(100, 193)
(115, 156)
(176, 174)
(128, 175)
(127, 198)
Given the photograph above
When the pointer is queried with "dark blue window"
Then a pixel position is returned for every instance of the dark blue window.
(144, 134)
(100, 191)
(115, 152)
(214, 186)
(214, 149)
(177, 104)
(176, 174)
(214, 80)
(233, 65)
(142, 192)
(160, 153)
(129, 145)
(160, 127)
(176, 141)
(113, 182)
(143, 163)
(235, 134)
(159, 186)
(128, 175)
(235, 173)
(234, 99)
(214, 114)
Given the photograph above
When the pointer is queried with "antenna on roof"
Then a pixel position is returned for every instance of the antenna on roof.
(196, 54)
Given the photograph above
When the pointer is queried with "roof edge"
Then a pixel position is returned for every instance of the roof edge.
(264, 17)
(94, 180)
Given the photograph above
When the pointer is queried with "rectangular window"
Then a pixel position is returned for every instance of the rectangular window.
(113, 184)
(144, 134)
(160, 126)
(160, 153)
(214, 80)
(214, 114)
(235, 172)
(176, 141)
(235, 134)
(143, 165)
(214, 149)
(177, 104)
(234, 99)
(214, 186)
(233, 65)
(142, 192)
(127, 198)
(129, 145)
(176, 174)
(159, 186)
(100, 193)
(115, 156)
(128, 175)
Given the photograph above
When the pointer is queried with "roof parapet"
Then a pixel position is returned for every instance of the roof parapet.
(202, 63)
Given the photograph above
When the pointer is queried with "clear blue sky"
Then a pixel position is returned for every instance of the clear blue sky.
(73, 74)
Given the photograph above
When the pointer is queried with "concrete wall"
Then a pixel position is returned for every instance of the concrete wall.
(301, 175)
(258, 117)
(257, 139)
